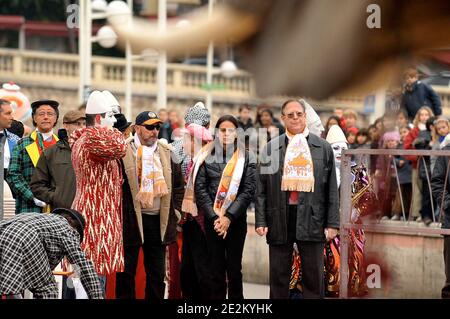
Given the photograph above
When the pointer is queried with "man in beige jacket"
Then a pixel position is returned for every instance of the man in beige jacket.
(152, 226)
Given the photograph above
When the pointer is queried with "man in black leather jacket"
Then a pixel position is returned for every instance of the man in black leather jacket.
(314, 219)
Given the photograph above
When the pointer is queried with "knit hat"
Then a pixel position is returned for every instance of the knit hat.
(335, 135)
(197, 114)
(391, 136)
(98, 103)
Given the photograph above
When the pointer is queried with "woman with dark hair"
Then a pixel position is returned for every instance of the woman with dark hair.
(332, 120)
(265, 119)
(224, 188)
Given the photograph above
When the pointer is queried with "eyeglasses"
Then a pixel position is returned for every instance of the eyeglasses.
(295, 114)
(152, 127)
(49, 114)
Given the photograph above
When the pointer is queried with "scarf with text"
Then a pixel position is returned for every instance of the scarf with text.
(298, 171)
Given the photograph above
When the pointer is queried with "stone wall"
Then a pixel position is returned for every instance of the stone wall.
(411, 266)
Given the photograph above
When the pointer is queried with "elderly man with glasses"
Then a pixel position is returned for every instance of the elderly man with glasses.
(26, 154)
(53, 180)
(297, 201)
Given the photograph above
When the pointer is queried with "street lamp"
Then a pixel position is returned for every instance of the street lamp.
(99, 5)
(117, 14)
(228, 69)
(106, 37)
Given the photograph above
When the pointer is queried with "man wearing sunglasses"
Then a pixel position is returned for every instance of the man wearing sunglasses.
(153, 188)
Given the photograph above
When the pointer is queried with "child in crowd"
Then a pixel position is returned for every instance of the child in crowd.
(422, 115)
(362, 139)
(351, 136)
(387, 169)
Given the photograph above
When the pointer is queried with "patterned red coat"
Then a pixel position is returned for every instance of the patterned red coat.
(95, 155)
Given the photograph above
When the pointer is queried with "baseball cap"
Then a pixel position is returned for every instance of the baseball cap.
(147, 118)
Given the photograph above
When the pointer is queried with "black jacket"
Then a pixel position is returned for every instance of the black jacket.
(421, 94)
(243, 125)
(316, 210)
(207, 183)
(437, 186)
(53, 179)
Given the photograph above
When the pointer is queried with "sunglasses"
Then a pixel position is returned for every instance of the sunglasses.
(152, 127)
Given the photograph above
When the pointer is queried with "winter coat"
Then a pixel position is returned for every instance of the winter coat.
(437, 187)
(53, 179)
(316, 210)
(95, 156)
(421, 94)
(207, 183)
(170, 202)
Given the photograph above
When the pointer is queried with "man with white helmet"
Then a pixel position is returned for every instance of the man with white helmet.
(96, 151)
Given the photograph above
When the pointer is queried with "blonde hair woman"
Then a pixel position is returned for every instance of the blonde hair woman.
(422, 115)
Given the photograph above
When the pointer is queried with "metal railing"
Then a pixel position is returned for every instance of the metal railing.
(346, 208)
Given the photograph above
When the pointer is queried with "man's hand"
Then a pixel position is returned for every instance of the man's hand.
(330, 233)
(38, 202)
(261, 231)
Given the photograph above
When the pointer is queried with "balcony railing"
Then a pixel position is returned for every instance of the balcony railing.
(61, 71)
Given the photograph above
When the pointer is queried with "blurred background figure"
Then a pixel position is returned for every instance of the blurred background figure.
(244, 118)
(176, 124)
(123, 125)
(166, 129)
(417, 94)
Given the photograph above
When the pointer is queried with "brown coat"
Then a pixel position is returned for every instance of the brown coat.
(170, 202)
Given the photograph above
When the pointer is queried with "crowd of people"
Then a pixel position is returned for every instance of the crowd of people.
(165, 186)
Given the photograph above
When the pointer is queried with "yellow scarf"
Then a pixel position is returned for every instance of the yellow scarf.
(298, 170)
(228, 186)
(229, 182)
